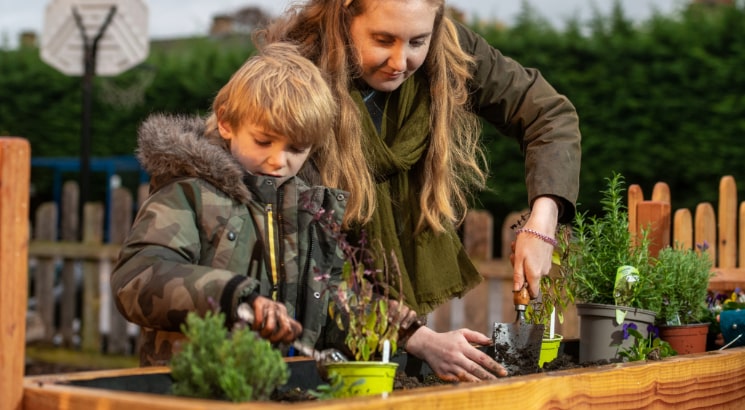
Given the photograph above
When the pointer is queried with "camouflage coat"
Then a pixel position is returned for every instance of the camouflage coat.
(210, 234)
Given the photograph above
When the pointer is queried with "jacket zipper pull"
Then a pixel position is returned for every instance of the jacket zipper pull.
(272, 249)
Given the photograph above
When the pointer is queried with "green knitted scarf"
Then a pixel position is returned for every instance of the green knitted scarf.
(434, 267)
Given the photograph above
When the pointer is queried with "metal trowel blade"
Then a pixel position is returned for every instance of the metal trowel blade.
(517, 346)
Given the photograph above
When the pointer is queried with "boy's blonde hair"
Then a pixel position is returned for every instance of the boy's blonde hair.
(281, 91)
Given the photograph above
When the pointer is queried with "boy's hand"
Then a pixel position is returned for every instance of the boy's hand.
(272, 321)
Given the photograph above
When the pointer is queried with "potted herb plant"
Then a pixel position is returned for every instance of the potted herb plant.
(611, 276)
(684, 278)
(362, 308)
(556, 295)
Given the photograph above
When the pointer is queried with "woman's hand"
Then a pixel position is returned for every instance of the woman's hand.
(402, 314)
(531, 255)
(452, 356)
(272, 321)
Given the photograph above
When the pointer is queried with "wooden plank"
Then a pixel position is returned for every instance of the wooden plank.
(741, 238)
(635, 195)
(70, 228)
(705, 228)
(15, 171)
(478, 235)
(74, 250)
(683, 229)
(705, 380)
(121, 221)
(92, 234)
(727, 279)
(478, 241)
(654, 216)
(46, 230)
(727, 223)
(661, 192)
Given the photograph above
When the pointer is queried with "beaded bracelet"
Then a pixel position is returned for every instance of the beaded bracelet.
(549, 240)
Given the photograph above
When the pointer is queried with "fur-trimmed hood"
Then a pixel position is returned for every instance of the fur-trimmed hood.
(172, 147)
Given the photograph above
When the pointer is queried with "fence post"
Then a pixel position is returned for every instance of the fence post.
(121, 221)
(92, 235)
(15, 171)
(70, 228)
(46, 230)
(478, 239)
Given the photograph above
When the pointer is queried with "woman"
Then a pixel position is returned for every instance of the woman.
(411, 85)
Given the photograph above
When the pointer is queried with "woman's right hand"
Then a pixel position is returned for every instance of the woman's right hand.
(273, 322)
(453, 356)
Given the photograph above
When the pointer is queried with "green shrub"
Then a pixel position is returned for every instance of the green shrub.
(215, 365)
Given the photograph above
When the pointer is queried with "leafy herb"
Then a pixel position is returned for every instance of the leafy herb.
(684, 278)
(363, 298)
(602, 244)
(214, 365)
(556, 292)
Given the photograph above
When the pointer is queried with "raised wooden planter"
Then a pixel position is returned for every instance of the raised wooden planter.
(706, 380)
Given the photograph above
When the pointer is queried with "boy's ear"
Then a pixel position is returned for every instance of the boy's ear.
(226, 132)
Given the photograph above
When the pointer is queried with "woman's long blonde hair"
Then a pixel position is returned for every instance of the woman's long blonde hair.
(452, 167)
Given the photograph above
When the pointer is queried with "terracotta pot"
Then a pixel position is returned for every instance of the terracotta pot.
(601, 336)
(686, 339)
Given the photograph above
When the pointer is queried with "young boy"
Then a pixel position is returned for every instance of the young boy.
(227, 221)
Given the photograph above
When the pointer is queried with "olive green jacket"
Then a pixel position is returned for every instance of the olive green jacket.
(521, 104)
(210, 234)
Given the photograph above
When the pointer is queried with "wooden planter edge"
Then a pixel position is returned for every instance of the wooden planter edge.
(705, 380)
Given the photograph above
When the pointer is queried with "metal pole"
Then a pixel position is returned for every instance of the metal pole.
(90, 49)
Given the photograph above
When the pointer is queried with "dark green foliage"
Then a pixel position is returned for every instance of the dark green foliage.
(213, 365)
(661, 100)
(658, 101)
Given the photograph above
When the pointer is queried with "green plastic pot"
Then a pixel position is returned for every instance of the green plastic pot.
(549, 349)
(363, 378)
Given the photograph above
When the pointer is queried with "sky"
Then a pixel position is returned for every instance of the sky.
(176, 18)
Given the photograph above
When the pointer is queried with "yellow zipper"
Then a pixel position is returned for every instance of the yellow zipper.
(272, 250)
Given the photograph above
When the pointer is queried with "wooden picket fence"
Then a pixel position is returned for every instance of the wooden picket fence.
(723, 231)
(71, 299)
(61, 269)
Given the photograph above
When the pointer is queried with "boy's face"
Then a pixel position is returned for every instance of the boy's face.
(264, 153)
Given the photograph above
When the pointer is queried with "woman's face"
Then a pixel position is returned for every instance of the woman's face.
(392, 38)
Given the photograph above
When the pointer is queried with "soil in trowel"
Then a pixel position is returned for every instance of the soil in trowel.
(524, 362)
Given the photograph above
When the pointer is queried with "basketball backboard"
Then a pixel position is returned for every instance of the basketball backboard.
(124, 43)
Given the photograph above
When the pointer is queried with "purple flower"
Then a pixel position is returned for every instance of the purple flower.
(653, 330)
(702, 246)
(626, 327)
(322, 277)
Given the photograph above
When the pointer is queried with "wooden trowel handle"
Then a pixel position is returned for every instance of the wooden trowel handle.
(521, 297)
